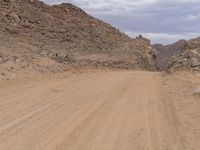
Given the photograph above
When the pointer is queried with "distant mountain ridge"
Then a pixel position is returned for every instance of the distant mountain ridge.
(164, 52)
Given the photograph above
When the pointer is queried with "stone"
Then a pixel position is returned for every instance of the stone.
(196, 91)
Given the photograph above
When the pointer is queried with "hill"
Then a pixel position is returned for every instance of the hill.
(41, 37)
(164, 52)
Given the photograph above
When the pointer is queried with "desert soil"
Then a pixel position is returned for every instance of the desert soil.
(111, 110)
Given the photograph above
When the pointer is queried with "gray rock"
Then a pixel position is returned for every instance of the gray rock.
(18, 60)
(196, 91)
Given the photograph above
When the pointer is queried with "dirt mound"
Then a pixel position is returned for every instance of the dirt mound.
(164, 52)
(189, 59)
(30, 29)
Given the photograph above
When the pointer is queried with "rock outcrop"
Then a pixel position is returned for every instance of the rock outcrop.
(189, 59)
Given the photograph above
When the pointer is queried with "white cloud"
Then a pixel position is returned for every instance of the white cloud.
(105, 6)
(192, 17)
(165, 38)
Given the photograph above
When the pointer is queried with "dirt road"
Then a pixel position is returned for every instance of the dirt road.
(99, 111)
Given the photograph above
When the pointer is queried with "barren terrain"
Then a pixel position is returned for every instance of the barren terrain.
(107, 110)
(67, 83)
(67, 36)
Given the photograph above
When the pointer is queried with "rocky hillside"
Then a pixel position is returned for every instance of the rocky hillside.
(34, 35)
(164, 52)
(189, 59)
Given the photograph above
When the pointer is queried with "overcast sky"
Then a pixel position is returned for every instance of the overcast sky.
(163, 21)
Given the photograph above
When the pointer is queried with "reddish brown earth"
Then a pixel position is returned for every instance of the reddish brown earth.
(44, 107)
(106, 110)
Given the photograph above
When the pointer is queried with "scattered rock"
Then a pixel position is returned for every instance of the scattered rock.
(189, 59)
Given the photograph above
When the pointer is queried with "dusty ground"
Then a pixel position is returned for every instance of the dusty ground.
(101, 111)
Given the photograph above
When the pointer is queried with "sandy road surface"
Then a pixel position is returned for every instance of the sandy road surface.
(99, 111)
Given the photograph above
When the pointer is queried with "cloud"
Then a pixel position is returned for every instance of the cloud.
(163, 21)
(164, 38)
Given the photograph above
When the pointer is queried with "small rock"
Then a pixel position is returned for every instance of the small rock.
(15, 17)
(196, 91)
(3, 74)
(18, 60)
